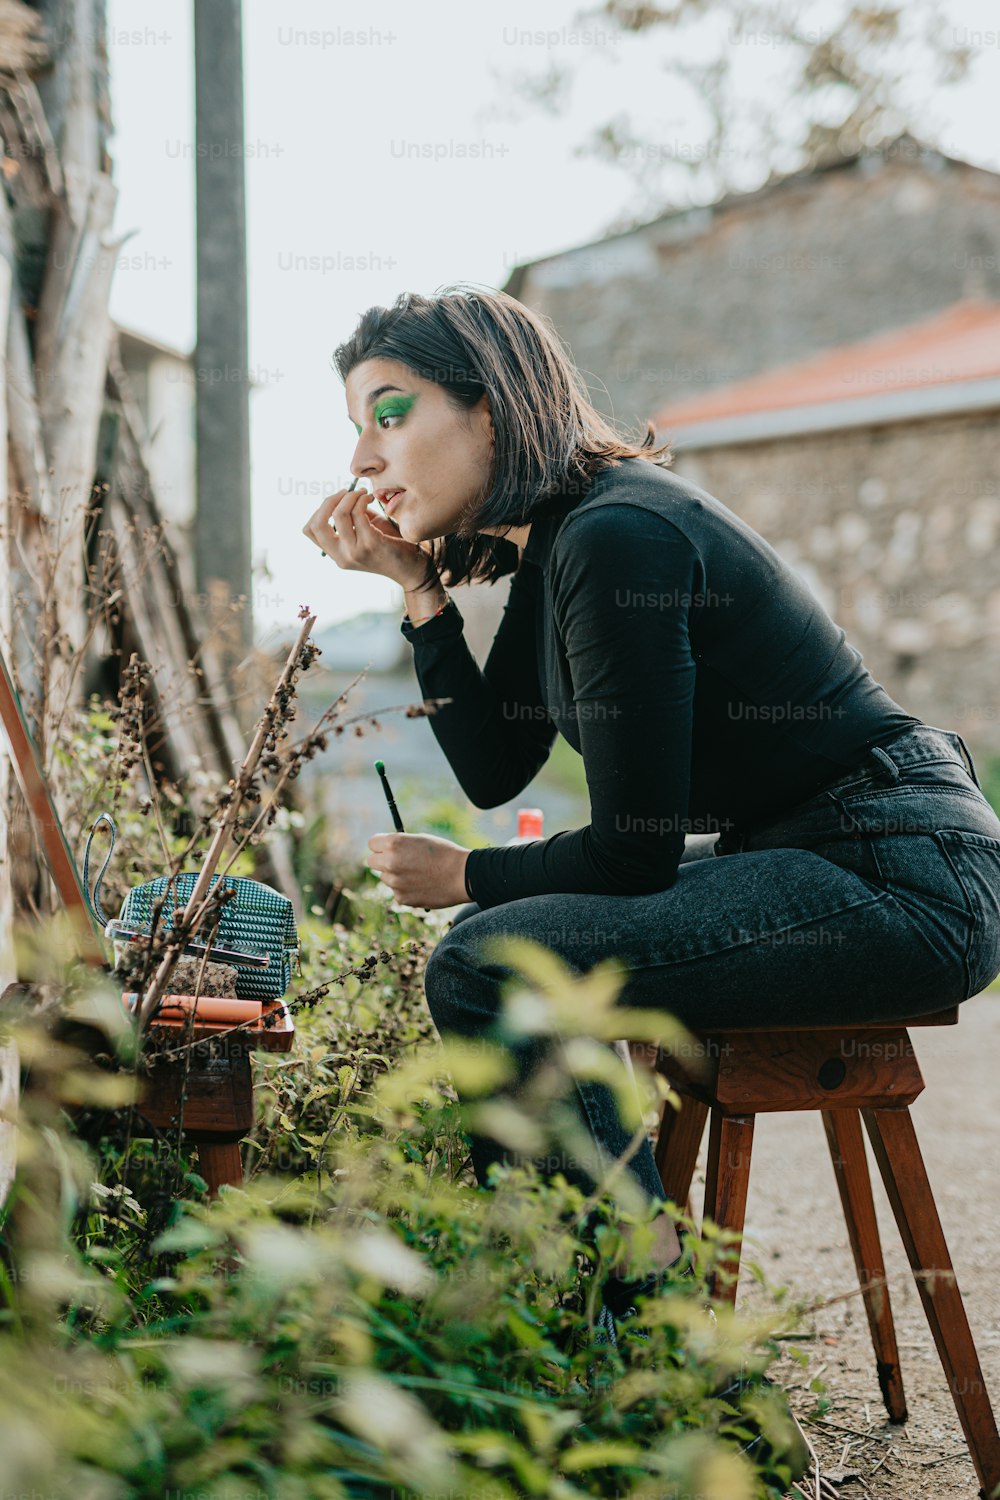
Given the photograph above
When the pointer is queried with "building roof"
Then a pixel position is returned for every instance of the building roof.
(904, 147)
(947, 362)
(144, 346)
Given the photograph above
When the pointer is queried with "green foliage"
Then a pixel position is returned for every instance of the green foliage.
(362, 1318)
(379, 1327)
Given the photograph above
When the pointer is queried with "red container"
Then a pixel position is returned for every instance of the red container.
(529, 823)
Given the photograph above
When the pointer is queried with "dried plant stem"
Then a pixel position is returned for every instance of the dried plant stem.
(194, 911)
(154, 800)
(289, 770)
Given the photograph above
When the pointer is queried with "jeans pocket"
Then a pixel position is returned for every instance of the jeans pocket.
(974, 859)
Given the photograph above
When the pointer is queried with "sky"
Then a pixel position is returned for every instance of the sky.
(385, 152)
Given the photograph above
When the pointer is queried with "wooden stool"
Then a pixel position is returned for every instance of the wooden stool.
(851, 1073)
(217, 1093)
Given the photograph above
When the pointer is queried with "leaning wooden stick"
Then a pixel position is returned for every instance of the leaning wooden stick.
(200, 898)
(35, 789)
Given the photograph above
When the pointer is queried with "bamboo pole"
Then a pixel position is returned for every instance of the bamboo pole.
(9, 1062)
(72, 331)
(220, 723)
(73, 335)
(29, 500)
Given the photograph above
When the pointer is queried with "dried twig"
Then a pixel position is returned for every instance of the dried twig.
(316, 739)
(871, 1436)
(858, 1291)
(200, 900)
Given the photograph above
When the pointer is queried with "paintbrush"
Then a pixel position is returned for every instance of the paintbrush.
(393, 809)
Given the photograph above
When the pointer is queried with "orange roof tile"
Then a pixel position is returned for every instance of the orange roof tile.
(960, 343)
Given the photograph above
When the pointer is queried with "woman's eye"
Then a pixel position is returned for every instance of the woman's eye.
(383, 414)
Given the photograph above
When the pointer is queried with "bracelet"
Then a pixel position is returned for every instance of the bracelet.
(422, 619)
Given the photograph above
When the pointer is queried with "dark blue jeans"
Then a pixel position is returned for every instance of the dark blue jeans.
(876, 899)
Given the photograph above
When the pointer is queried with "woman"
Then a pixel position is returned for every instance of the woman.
(718, 709)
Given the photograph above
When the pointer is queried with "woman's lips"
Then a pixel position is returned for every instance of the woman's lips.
(392, 500)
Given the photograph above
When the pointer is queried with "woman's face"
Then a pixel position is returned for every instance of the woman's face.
(411, 438)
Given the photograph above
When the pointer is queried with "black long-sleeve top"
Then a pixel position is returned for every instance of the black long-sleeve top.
(702, 682)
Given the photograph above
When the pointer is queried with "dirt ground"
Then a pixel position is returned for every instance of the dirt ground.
(795, 1231)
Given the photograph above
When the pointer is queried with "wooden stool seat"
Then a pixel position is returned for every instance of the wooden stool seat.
(852, 1073)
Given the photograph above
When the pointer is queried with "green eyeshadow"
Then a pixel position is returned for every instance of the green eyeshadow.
(393, 406)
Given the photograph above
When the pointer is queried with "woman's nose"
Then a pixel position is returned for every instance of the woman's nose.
(365, 461)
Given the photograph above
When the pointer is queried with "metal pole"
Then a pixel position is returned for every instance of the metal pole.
(222, 527)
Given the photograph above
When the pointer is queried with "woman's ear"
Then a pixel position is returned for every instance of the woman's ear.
(483, 407)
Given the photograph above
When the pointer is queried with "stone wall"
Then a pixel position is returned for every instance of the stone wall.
(897, 531)
(705, 297)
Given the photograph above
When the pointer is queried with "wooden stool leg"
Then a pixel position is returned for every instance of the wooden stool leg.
(730, 1142)
(895, 1145)
(677, 1148)
(850, 1165)
(220, 1164)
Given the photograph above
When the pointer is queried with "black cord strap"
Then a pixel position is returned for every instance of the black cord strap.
(95, 902)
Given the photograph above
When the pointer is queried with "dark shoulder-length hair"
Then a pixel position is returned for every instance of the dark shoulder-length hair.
(550, 441)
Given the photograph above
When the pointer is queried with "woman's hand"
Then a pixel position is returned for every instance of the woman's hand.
(364, 543)
(422, 869)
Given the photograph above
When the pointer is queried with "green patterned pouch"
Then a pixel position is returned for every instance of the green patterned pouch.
(256, 928)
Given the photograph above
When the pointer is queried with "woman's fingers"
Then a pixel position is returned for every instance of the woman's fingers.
(343, 512)
(333, 527)
(321, 526)
(360, 516)
(356, 538)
